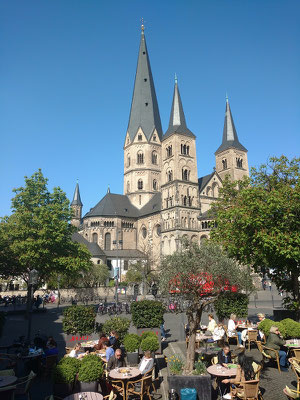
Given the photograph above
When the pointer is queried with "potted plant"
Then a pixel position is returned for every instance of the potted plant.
(63, 376)
(90, 372)
(79, 320)
(119, 324)
(132, 344)
(150, 342)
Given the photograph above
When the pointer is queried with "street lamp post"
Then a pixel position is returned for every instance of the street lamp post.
(33, 279)
(58, 289)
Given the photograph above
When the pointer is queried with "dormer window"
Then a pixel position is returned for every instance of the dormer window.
(154, 138)
(140, 138)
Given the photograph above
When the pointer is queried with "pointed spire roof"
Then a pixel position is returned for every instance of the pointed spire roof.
(230, 137)
(76, 198)
(177, 122)
(144, 111)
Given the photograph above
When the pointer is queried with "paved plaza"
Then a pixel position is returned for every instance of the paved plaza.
(50, 323)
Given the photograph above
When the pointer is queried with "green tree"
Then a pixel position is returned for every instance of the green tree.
(199, 274)
(37, 235)
(258, 223)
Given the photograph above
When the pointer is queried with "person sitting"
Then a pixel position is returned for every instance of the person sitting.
(212, 323)
(116, 360)
(232, 329)
(260, 335)
(109, 351)
(224, 355)
(218, 332)
(146, 362)
(100, 345)
(75, 352)
(114, 340)
(245, 372)
(275, 341)
(51, 349)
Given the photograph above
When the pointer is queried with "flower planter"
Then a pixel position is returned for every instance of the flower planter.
(62, 389)
(202, 383)
(132, 358)
(139, 331)
(88, 386)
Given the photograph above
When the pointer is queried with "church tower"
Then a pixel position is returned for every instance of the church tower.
(76, 206)
(179, 188)
(142, 148)
(231, 156)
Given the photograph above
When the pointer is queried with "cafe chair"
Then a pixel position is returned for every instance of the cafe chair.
(252, 338)
(296, 369)
(291, 394)
(297, 354)
(50, 363)
(214, 360)
(268, 357)
(247, 390)
(151, 373)
(257, 370)
(139, 388)
(7, 392)
(227, 338)
(111, 396)
(119, 386)
(23, 386)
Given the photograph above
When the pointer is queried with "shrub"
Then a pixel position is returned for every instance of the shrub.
(266, 324)
(150, 343)
(144, 335)
(79, 319)
(118, 324)
(147, 313)
(65, 371)
(2, 322)
(292, 327)
(175, 364)
(91, 368)
(231, 303)
(132, 342)
(199, 368)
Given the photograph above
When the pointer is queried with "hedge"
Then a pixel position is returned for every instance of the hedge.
(147, 313)
(231, 303)
(79, 319)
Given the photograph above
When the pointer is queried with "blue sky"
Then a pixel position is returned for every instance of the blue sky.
(67, 73)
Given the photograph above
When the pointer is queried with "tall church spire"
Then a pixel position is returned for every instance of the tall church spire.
(76, 198)
(177, 122)
(144, 111)
(230, 137)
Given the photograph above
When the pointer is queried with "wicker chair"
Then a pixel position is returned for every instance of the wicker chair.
(145, 383)
(111, 396)
(118, 386)
(252, 338)
(291, 394)
(227, 337)
(274, 354)
(247, 390)
(23, 386)
(51, 361)
(297, 354)
(296, 369)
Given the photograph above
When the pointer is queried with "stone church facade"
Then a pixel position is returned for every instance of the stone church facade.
(164, 199)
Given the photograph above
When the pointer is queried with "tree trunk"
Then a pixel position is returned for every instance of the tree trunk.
(194, 324)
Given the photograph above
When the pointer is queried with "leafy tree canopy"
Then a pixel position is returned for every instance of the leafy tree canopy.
(258, 222)
(38, 233)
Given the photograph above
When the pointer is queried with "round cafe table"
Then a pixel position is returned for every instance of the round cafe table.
(220, 371)
(85, 396)
(132, 373)
(7, 380)
(293, 343)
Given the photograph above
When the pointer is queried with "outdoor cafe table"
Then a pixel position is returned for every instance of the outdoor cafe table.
(293, 343)
(220, 371)
(7, 380)
(132, 373)
(244, 326)
(203, 338)
(85, 396)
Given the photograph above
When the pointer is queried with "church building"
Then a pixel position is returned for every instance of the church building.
(163, 199)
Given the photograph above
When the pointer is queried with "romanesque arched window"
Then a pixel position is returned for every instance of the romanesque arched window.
(239, 162)
(169, 151)
(154, 184)
(185, 174)
(140, 184)
(107, 241)
(224, 163)
(154, 157)
(95, 237)
(170, 175)
(140, 157)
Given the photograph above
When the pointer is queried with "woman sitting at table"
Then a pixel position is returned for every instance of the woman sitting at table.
(51, 348)
(100, 345)
(245, 372)
(275, 341)
(218, 332)
(212, 323)
(75, 352)
(224, 355)
(232, 329)
(146, 363)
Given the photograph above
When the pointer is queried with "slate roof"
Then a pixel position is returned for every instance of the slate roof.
(113, 205)
(144, 111)
(76, 198)
(230, 137)
(203, 180)
(94, 249)
(153, 205)
(177, 122)
(126, 253)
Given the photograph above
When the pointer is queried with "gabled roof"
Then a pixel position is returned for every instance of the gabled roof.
(177, 122)
(93, 248)
(113, 205)
(144, 111)
(76, 198)
(153, 206)
(203, 181)
(230, 137)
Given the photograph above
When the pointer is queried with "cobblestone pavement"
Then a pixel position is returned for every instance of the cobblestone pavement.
(50, 323)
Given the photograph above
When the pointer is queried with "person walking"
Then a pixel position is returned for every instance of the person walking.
(270, 285)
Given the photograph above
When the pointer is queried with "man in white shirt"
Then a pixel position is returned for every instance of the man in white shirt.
(146, 363)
